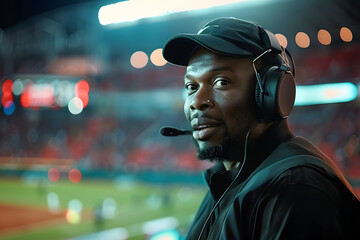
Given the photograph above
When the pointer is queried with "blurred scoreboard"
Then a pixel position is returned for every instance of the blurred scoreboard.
(44, 92)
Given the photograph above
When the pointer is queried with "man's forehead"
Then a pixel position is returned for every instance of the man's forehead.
(202, 64)
(200, 61)
(205, 60)
(202, 54)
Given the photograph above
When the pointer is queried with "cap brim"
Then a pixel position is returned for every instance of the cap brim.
(179, 49)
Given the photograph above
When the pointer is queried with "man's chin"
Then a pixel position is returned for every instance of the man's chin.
(211, 153)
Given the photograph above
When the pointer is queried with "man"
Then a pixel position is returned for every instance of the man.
(266, 183)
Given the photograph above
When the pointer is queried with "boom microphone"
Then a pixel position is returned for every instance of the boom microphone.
(173, 132)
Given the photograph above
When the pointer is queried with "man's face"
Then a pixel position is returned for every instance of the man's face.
(220, 104)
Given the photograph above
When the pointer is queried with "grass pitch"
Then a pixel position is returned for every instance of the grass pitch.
(136, 203)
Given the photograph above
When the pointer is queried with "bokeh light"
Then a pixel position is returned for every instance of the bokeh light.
(25, 99)
(72, 216)
(7, 86)
(157, 58)
(7, 98)
(139, 59)
(74, 175)
(324, 37)
(9, 108)
(346, 34)
(75, 106)
(53, 202)
(53, 174)
(325, 93)
(73, 213)
(82, 91)
(282, 40)
(75, 205)
(302, 40)
(108, 208)
(18, 87)
(172, 234)
(159, 225)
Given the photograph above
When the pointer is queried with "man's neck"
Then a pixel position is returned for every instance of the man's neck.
(259, 147)
(230, 165)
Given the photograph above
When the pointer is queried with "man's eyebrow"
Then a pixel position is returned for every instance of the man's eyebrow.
(219, 69)
(212, 70)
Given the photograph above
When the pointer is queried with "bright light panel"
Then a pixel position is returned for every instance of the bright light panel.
(325, 93)
(168, 235)
(133, 10)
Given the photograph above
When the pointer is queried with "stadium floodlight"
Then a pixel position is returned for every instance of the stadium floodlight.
(325, 93)
(132, 10)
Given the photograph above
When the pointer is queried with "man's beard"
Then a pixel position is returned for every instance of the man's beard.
(216, 153)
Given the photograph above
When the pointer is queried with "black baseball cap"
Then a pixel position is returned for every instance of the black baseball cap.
(226, 35)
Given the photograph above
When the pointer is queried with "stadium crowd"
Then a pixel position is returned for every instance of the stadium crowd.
(93, 142)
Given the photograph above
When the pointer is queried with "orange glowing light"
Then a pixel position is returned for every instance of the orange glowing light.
(74, 175)
(324, 37)
(346, 34)
(302, 40)
(157, 58)
(139, 59)
(282, 39)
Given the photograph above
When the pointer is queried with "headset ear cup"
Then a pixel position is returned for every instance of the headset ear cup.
(286, 94)
(277, 100)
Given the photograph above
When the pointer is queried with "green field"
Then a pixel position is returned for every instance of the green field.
(136, 203)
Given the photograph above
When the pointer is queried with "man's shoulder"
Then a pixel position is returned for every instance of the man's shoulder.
(297, 163)
(294, 161)
(286, 170)
(295, 152)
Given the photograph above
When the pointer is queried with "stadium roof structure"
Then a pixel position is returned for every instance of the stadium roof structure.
(324, 13)
(287, 17)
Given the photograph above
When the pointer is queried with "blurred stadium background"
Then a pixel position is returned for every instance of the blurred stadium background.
(82, 102)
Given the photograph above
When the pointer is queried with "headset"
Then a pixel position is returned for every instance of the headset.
(275, 88)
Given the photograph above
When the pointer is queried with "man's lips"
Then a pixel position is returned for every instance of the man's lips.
(203, 128)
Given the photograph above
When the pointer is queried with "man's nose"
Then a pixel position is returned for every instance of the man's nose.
(201, 100)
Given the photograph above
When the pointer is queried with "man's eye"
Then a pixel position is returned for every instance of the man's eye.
(190, 87)
(220, 83)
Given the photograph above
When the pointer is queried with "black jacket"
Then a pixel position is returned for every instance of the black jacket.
(295, 193)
